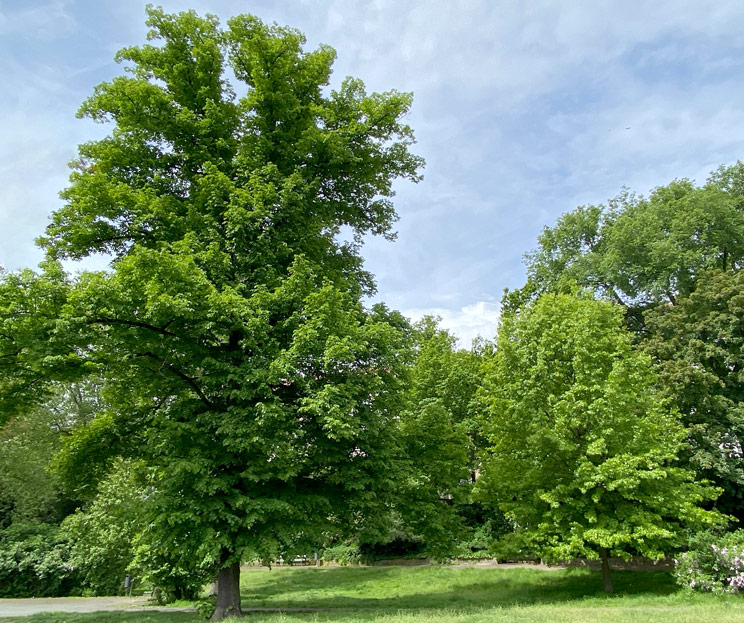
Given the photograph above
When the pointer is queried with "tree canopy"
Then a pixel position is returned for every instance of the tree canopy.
(582, 451)
(698, 346)
(663, 258)
(641, 251)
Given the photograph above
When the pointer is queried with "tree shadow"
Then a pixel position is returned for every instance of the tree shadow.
(415, 589)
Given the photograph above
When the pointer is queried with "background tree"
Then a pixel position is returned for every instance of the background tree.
(28, 443)
(442, 430)
(583, 453)
(103, 535)
(434, 432)
(28, 492)
(238, 359)
(698, 344)
(644, 251)
(35, 554)
(651, 255)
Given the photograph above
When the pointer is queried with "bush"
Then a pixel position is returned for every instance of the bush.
(713, 563)
(342, 554)
(35, 561)
(399, 545)
(171, 578)
(482, 529)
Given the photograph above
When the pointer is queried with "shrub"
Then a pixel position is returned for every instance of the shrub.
(35, 562)
(713, 563)
(341, 554)
(483, 527)
(398, 545)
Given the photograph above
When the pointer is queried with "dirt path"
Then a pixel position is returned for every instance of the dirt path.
(24, 607)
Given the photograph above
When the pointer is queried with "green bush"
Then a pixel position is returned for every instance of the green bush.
(205, 607)
(482, 529)
(713, 563)
(35, 561)
(342, 554)
(399, 545)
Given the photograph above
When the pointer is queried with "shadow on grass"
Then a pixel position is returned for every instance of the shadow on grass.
(396, 588)
(367, 594)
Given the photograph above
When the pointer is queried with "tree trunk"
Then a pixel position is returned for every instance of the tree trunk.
(228, 593)
(606, 577)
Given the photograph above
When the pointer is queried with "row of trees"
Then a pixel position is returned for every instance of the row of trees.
(222, 392)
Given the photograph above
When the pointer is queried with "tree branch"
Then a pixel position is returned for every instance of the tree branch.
(134, 323)
(184, 377)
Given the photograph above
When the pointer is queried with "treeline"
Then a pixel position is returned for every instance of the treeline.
(222, 393)
(606, 419)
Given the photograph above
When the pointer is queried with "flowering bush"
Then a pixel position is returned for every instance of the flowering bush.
(713, 563)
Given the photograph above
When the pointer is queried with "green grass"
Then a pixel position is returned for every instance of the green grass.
(444, 594)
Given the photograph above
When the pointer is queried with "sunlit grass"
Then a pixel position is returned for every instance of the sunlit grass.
(444, 594)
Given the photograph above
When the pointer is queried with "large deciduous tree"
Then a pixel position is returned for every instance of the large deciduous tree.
(583, 452)
(699, 344)
(642, 251)
(240, 363)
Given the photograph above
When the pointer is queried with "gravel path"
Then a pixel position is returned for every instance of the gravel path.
(24, 607)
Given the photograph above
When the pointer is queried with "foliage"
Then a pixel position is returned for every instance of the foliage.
(34, 344)
(341, 554)
(439, 429)
(103, 535)
(35, 561)
(36, 555)
(205, 607)
(699, 346)
(713, 563)
(28, 442)
(27, 491)
(642, 251)
(664, 258)
(108, 540)
(173, 576)
(240, 364)
(444, 375)
(582, 451)
(484, 526)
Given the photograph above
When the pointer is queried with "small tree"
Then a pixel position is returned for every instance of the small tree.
(656, 256)
(583, 453)
(102, 535)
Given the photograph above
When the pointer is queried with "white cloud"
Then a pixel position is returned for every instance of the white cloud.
(49, 20)
(480, 319)
(513, 103)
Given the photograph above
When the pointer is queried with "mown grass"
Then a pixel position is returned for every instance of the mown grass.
(443, 594)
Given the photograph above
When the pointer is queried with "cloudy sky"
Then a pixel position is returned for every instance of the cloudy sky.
(523, 110)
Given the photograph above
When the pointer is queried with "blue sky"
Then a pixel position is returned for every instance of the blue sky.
(522, 110)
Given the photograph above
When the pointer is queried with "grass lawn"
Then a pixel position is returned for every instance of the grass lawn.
(442, 594)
